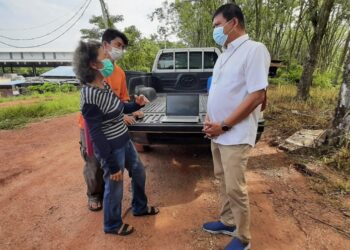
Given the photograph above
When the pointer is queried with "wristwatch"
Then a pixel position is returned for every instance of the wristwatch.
(225, 127)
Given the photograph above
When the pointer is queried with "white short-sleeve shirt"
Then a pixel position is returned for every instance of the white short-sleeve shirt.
(240, 70)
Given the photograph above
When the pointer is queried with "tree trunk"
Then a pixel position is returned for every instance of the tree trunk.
(342, 58)
(341, 123)
(310, 62)
(301, 14)
(342, 112)
(258, 4)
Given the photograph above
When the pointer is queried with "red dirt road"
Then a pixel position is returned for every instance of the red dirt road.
(43, 201)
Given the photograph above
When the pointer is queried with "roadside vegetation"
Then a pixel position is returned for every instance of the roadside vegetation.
(49, 100)
(286, 115)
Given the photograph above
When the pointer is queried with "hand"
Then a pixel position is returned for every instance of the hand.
(117, 176)
(141, 100)
(138, 114)
(206, 120)
(212, 129)
(129, 120)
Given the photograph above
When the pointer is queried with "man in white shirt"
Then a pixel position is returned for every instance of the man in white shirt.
(240, 78)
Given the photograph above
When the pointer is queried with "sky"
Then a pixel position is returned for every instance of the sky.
(34, 18)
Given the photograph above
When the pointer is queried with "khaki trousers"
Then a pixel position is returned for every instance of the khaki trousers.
(229, 168)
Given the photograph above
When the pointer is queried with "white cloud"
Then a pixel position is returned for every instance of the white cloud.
(16, 15)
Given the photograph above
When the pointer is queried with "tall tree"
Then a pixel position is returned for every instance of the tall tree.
(167, 17)
(195, 21)
(319, 19)
(140, 53)
(99, 26)
(342, 58)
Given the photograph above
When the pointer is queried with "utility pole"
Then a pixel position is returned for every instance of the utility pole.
(105, 15)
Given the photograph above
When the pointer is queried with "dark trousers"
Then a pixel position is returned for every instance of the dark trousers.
(113, 195)
(93, 173)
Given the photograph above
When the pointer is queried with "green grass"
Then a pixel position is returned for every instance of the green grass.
(57, 104)
(17, 98)
(341, 160)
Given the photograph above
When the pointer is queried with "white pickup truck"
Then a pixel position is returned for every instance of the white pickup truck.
(181, 70)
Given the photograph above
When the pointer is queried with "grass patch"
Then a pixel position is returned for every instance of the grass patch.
(55, 105)
(341, 161)
(18, 98)
(286, 115)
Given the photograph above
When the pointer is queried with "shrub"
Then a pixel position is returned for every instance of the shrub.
(277, 81)
(323, 79)
(48, 87)
(65, 88)
(292, 74)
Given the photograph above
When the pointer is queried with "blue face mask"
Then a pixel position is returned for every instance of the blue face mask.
(219, 36)
(107, 69)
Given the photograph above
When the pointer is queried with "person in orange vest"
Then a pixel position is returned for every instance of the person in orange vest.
(114, 43)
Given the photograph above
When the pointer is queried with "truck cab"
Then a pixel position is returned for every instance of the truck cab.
(184, 69)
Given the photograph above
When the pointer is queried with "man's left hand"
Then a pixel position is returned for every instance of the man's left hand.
(212, 129)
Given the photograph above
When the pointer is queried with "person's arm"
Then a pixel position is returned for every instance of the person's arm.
(130, 107)
(93, 118)
(140, 101)
(124, 94)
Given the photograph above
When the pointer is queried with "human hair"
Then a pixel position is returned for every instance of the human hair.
(230, 11)
(111, 34)
(84, 54)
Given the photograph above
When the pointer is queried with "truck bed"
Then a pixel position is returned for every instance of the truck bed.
(150, 130)
(154, 112)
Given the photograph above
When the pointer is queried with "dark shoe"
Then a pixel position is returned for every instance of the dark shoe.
(124, 230)
(237, 244)
(217, 227)
(94, 205)
(149, 211)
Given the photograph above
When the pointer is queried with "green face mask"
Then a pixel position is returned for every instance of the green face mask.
(107, 69)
